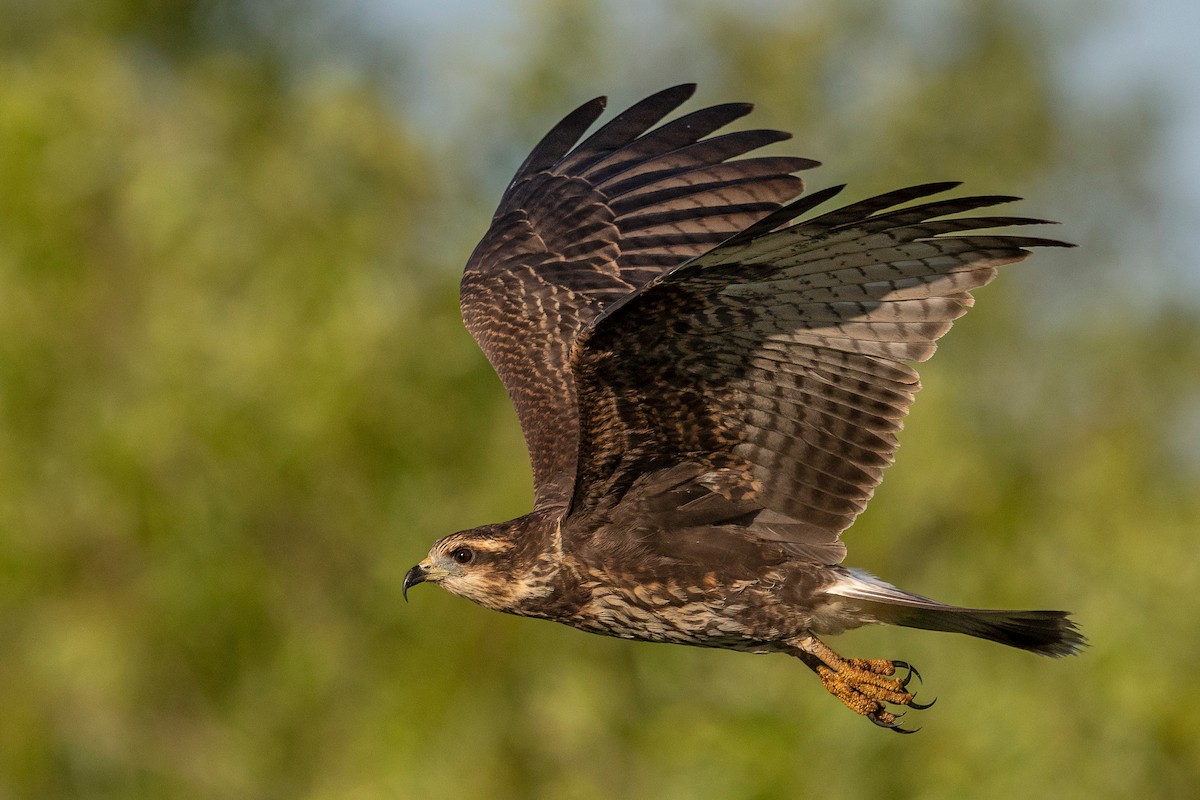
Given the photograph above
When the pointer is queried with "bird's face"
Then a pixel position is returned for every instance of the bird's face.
(469, 564)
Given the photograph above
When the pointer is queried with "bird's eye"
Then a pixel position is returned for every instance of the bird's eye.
(463, 555)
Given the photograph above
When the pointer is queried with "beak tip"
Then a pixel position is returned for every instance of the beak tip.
(412, 578)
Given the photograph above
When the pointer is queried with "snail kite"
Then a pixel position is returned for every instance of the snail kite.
(710, 381)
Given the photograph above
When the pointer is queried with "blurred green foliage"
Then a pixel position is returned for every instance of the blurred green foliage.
(236, 404)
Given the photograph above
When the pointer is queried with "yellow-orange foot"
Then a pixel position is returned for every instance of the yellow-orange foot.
(865, 686)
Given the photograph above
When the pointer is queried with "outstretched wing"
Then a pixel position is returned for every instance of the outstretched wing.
(579, 228)
(761, 385)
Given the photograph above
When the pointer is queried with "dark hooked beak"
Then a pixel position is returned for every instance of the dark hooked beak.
(415, 575)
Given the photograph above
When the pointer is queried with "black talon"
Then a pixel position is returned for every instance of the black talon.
(889, 725)
(912, 672)
(894, 725)
(920, 706)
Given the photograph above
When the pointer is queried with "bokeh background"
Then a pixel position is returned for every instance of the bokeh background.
(236, 402)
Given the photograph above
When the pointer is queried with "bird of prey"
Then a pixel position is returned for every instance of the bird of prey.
(710, 383)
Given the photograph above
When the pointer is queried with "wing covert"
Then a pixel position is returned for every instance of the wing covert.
(777, 366)
(581, 226)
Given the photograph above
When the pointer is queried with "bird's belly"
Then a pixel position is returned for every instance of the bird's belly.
(703, 623)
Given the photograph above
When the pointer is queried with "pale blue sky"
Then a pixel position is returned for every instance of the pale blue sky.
(1131, 48)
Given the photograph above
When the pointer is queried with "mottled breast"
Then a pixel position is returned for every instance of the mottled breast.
(738, 614)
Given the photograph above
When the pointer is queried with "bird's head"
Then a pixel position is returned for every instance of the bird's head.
(484, 565)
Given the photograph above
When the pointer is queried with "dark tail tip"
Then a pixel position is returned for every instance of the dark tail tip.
(1047, 633)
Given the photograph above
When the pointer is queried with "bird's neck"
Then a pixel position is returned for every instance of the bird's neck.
(534, 585)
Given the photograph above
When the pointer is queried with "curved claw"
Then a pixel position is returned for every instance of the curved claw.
(912, 672)
(893, 725)
(876, 720)
(920, 706)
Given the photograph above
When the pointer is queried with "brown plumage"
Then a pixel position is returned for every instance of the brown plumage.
(710, 390)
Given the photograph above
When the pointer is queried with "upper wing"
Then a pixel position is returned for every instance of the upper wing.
(579, 228)
(761, 385)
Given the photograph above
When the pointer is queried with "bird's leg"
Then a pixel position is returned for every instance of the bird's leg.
(863, 685)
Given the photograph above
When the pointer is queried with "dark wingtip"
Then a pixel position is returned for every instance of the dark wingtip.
(562, 137)
(933, 187)
(684, 89)
(669, 98)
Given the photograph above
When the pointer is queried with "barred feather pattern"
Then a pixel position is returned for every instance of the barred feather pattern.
(780, 361)
(581, 227)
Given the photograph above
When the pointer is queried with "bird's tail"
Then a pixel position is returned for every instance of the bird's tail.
(1048, 633)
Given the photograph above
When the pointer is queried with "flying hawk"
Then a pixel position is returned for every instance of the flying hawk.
(710, 388)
